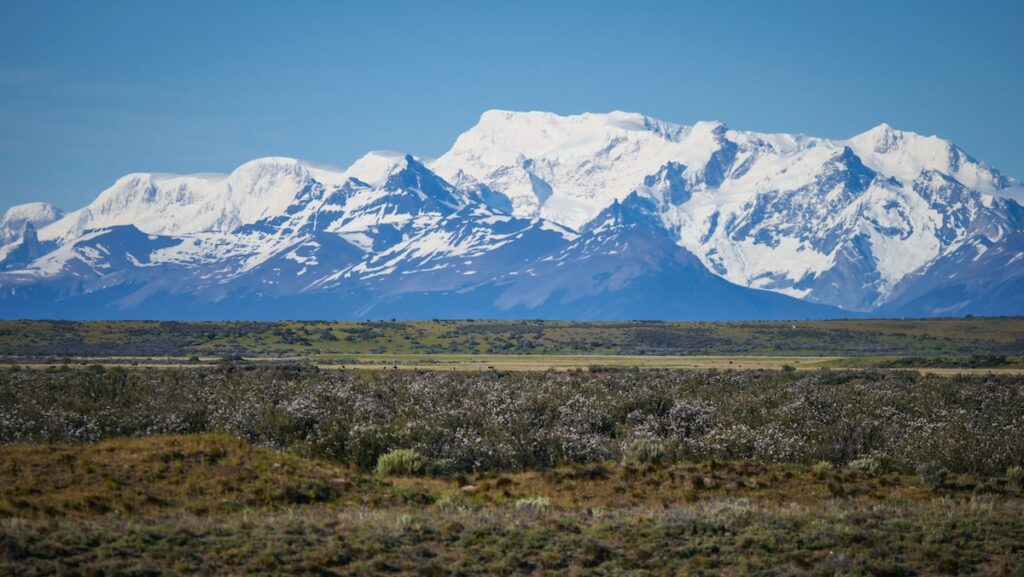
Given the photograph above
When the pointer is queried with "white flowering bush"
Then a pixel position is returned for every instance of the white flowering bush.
(463, 422)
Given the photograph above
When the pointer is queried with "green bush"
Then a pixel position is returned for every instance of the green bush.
(822, 468)
(400, 462)
(933, 474)
(644, 451)
(535, 505)
(1015, 476)
(454, 501)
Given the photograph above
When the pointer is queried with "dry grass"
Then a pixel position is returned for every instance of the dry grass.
(161, 512)
(195, 474)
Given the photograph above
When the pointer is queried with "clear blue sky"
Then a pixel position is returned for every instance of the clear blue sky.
(93, 90)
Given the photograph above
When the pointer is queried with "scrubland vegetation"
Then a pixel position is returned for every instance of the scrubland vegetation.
(279, 469)
(491, 421)
(937, 342)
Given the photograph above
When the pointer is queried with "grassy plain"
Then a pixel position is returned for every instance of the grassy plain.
(213, 505)
(934, 344)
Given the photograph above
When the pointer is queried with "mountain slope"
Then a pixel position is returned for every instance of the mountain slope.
(836, 222)
(624, 265)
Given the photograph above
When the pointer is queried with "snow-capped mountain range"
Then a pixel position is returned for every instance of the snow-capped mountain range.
(532, 214)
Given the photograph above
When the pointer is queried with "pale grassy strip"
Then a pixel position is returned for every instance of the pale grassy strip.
(471, 362)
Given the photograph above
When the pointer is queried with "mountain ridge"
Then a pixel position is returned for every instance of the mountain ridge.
(876, 223)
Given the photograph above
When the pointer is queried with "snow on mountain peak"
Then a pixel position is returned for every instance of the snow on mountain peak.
(543, 132)
(833, 221)
(271, 167)
(190, 203)
(567, 168)
(374, 167)
(20, 216)
(904, 155)
(34, 212)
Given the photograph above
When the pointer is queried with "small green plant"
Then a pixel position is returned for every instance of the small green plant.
(400, 462)
(933, 474)
(788, 368)
(453, 501)
(822, 468)
(1015, 477)
(644, 451)
(535, 505)
(866, 464)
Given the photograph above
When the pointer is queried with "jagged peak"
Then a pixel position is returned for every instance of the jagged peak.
(376, 166)
(884, 138)
(882, 128)
(847, 156)
(408, 164)
(632, 210)
(411, 174)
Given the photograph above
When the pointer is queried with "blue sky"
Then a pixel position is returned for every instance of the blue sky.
(93, 90)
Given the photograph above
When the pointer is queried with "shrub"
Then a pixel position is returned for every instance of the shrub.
(1015, 476)
(866, 464)
(453, 501)
(933, 474)
(644, 451)
(400, 462)
(822, 468)
(535, 505)
(537, 420)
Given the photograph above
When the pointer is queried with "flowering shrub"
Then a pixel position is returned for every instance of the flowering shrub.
(490, 421)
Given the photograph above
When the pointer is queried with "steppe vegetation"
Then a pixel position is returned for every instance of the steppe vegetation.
(236, 467)
(936, 341)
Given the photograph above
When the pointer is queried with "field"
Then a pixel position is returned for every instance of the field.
(966, 344)
(214, 505)
(771, 450)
